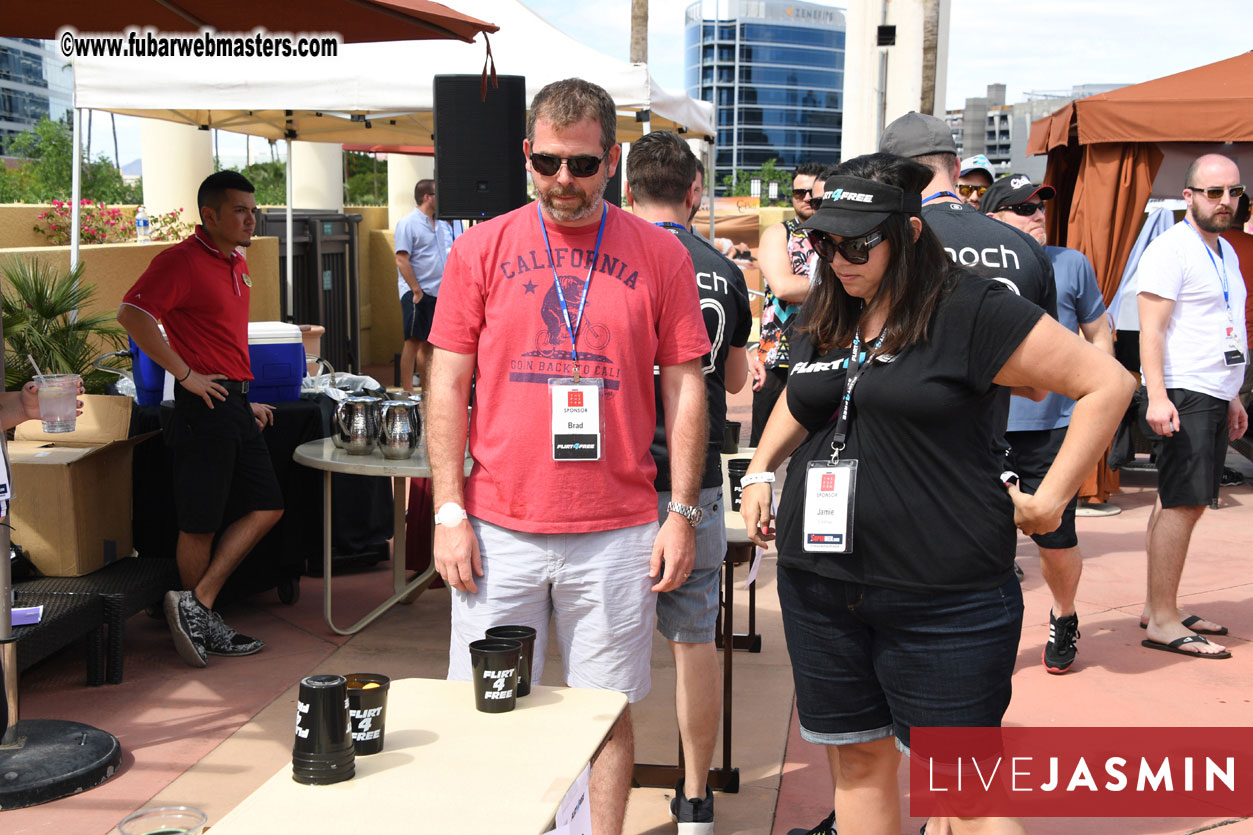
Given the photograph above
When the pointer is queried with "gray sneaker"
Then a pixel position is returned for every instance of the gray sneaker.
(188, 621)
(221, 639)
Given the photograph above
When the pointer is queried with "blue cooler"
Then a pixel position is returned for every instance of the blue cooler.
(278, 366)
(278, 362)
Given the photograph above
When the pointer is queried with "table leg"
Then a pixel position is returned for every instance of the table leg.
(400, 588)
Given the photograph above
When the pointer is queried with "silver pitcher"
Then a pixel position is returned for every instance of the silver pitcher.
(400, 428)
(356, 424)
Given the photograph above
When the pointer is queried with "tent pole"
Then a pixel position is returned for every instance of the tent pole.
(76, 187)
(710, 183)
(289, 287)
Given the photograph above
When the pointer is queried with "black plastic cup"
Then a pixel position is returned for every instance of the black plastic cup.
(731, 437)
(367, 710)
(323, 752)
(736, 469)
(495, 664)
(524, 635)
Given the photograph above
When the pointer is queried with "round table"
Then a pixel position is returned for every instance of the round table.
(323, 455)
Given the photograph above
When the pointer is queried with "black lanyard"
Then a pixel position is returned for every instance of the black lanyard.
(854, 373)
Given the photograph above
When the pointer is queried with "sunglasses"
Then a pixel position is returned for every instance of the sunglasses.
(583, 165)
(1216, 193)
(852, 250)
(815, 203)
(966, 189)
(1023, 209)
(802, 193)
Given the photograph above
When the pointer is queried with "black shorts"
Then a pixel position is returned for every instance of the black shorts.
(222, 467)
(1030, 455)
(419, 317)
(1190, 462)
(764, 401)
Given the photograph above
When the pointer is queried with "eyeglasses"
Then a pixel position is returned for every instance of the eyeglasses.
(965, 189)
(583, 165)
(852, 250)
(1216, 193)
(1023, 209)
(802, 193)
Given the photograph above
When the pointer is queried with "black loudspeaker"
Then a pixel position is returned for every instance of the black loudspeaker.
(479, 168)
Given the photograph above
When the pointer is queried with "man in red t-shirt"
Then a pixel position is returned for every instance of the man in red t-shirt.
(199, 290)
(560, 310)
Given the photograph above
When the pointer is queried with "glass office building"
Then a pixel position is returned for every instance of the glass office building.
(35, 81)
(775, 73)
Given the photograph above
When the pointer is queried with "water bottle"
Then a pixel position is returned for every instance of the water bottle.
(143, 232)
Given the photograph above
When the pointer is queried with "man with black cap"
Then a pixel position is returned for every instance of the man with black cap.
(1036, 430)
(975, 179)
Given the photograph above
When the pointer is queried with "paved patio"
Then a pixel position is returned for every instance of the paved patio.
(209, 737)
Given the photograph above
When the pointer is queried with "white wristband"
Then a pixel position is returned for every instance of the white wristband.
(450, 515)
(756, 478)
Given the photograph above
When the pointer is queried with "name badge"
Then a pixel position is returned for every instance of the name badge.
(828, 515)
(576, 416)
(1233, 355)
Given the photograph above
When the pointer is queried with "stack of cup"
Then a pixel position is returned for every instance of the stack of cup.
(367, 708)
(323, 753)
(736, 470)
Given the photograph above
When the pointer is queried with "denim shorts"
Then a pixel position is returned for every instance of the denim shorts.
(689, 614)
(593, 586)
(870, 662)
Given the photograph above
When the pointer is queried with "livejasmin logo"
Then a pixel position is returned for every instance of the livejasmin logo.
(500, 678)
(1081, 772)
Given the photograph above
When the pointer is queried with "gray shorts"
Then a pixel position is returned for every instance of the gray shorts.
(689, 614)
(594, 586)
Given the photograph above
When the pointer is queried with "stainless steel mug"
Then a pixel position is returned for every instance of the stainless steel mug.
(400, 428)
(356, 424)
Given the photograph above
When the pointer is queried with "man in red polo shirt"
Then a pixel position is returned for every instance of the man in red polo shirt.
(199, 290)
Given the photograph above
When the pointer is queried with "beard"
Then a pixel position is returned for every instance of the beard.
(1216, 222)
(587, 205)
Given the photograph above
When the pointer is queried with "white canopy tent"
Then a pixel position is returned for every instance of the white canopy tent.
(381, 93)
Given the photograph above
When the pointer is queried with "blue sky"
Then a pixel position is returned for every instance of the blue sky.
(1029, 45)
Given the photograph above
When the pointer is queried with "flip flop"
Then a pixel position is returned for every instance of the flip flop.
(1174, 646)
(1191, 619)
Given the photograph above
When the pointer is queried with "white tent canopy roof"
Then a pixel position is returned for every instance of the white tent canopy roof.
(390, 85)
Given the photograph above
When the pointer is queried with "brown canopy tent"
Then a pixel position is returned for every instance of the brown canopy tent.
(1106, 151)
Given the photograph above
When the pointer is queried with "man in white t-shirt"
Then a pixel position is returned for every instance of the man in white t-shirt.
(1193, 350)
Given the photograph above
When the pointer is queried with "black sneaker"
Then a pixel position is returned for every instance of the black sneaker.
(827, 827)
(221, 639)
(1230, 478)
(188, 621)
(694, 817)
(1060, 651)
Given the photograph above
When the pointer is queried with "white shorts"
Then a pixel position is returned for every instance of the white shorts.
(595, 584)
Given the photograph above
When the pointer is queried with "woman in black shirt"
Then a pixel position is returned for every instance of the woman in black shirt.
(895, 532)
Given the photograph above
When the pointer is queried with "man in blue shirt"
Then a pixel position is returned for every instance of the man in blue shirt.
(1037, 429)
(421, 244)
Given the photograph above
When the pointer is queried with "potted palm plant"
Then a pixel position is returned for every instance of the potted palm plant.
(43, 314)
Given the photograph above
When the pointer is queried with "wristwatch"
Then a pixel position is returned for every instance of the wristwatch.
(693, 515)
(450, 515)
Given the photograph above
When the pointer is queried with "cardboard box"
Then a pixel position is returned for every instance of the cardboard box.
(71, 507)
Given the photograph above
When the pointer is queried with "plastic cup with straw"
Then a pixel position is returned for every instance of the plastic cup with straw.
(58, 399)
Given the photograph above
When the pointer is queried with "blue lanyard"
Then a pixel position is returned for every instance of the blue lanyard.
(573, 330)
(939, 194)
(1222, 273)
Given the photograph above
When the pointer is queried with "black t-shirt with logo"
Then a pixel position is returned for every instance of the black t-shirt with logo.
(989, 248)
(930, 511)
(728, 321)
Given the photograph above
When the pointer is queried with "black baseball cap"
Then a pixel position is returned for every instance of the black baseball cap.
(916, 135)
(1012, 190)
(851, 206)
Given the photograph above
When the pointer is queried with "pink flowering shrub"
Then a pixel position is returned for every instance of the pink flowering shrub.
(98, 223)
